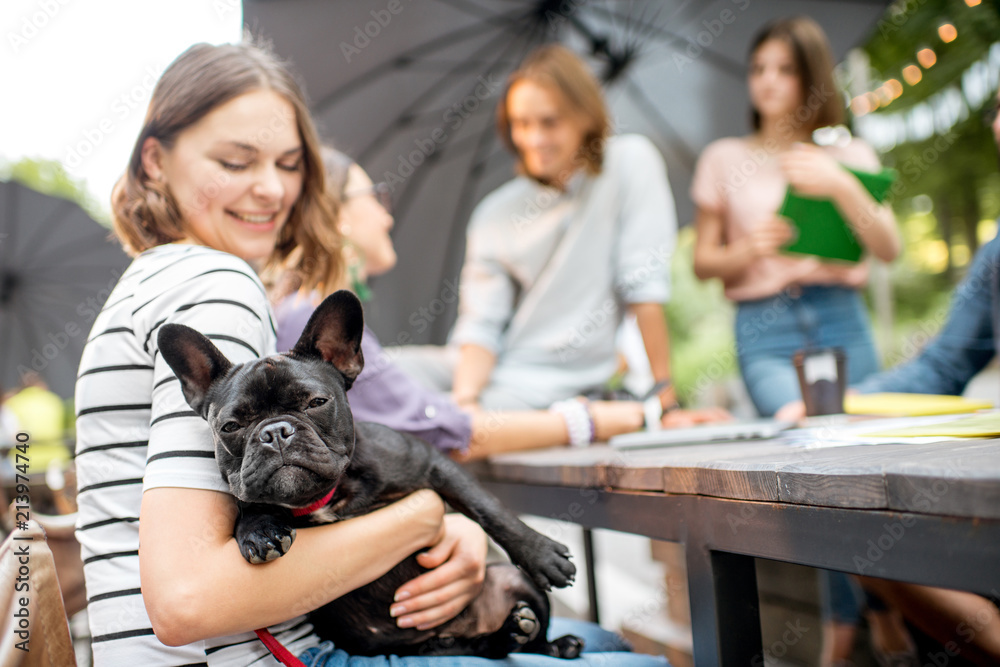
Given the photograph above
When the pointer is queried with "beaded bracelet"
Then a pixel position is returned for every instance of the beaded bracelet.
(579, 423)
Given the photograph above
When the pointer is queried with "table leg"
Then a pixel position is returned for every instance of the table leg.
(591, 565)
(725, 614)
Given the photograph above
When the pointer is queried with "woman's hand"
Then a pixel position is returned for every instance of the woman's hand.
(457, 566)
(810, 170)
(767, 237)
(791, 412)
(681, 418)
(615, 417)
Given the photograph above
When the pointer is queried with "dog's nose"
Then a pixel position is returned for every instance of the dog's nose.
(276, 434)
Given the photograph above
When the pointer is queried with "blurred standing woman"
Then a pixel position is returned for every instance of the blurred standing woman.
(785, 303)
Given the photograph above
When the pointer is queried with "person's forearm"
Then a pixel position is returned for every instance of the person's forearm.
(202, 587)
(652, 323)
(501, 431)
(873, 223)
(472, 373)
(726, 262)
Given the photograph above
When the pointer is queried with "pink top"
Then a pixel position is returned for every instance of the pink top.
(741, 180)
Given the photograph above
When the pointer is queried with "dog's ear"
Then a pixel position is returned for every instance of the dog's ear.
(195, 361)
(333, 334)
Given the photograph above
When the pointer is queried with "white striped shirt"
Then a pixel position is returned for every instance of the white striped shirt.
(135, 431)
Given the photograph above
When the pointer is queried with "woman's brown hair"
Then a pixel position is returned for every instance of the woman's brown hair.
(814, 62)
(560, 70)
(144, 212)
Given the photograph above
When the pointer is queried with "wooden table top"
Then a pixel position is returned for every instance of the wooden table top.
(960, 479)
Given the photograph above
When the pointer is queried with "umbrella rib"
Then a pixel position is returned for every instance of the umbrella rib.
(72, 248)
(466, 7)
(41, 228)
(646, 105)
(432, 45)
(449, 148)
(382, 137)
(12, 200)
(671, 38)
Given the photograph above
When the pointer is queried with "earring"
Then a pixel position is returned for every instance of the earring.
(352, 257)
(345, 229)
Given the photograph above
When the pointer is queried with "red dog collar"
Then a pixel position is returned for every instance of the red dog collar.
(302, 511)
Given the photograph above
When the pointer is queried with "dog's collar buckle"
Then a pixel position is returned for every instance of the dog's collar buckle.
(302, 511)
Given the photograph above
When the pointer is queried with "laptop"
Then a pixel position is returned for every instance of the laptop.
(758, 429)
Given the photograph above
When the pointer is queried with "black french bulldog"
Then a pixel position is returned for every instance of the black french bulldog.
(285, 440)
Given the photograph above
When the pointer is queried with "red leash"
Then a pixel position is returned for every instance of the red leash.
(280, 653)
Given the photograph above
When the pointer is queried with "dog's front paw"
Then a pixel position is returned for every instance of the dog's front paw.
(548, 563)
(263, 538)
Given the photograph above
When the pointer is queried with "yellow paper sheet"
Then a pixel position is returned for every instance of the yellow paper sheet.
(910, 405)
(986, 425)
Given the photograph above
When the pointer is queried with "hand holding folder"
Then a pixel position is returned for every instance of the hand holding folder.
(822, 230)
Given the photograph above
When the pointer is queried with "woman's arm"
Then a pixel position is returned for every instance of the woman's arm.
(472, 373)
(714, 258)
(656, 339)
(813, 172)
(495, 432)
(196, 584)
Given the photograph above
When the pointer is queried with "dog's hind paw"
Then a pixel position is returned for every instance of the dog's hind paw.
(567, 647)
(263, 538)
(522, 625)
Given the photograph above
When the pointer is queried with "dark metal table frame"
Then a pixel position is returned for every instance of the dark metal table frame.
(722, 537)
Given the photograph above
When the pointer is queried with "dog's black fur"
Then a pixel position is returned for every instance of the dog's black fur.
(284, 437)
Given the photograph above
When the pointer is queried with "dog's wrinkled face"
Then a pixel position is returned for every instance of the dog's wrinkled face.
(283, 430)
(282, 426)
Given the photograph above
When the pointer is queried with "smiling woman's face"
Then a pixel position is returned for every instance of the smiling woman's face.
(235, 174)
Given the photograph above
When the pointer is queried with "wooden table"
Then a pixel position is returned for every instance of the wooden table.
(925, 513)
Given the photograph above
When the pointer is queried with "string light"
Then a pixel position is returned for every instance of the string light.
(860, 106)
(912, 74)
(947, 33)
(894, 87)
(926, 57)
(973, 3)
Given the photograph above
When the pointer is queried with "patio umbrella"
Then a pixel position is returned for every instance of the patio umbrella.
(409, 89)
(57, 268)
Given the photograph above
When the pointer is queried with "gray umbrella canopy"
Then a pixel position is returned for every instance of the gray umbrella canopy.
(409, 89)
(57, 268)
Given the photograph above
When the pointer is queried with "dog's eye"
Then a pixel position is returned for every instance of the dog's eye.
(316, 402)
(230, 427)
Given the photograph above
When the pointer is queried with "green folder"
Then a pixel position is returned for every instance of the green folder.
(822, 230)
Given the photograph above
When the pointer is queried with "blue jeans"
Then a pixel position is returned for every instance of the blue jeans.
(769, 331)
(609, 645)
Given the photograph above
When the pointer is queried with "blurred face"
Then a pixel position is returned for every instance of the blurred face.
(775, 85)
(235, 174)
(547, 135)
(366, 223)
(996, 119)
